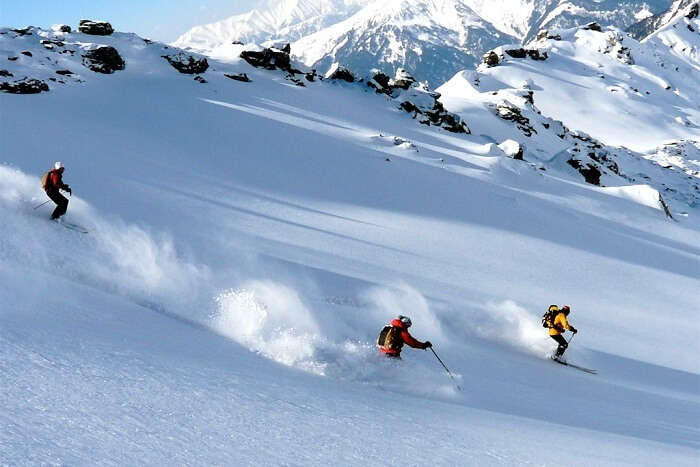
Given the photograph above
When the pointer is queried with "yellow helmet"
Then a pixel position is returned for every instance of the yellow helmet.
(553, 308)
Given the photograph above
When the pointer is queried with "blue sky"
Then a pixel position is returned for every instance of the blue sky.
(161, 20)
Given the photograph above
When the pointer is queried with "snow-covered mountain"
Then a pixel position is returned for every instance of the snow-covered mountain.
(433, 39)
(286, 20)
(650, 24)
(251, 227)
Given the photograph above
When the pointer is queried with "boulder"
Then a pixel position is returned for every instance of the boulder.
(27, 53)
(103, 59)
(6, 73)
(187, 63)
(338, 72)
(95, 28)
(694, 11)
(593, 27)
(24, 86)
(61, 28)
(402, 79)
(517, 53)
(544, 34)
(239, 77)
(23, 31)
(536, 54)
(491, 58)
(269, 59)
(64, 72)
(379, 82)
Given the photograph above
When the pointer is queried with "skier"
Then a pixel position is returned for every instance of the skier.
(395, 335)
(52, 182)
(559, 325)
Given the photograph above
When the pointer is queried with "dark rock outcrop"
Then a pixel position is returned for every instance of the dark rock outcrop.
(269, 59)
(24, 86)
(544, 34)
(517, 53)
(491, 58)
(341, 73)
(239, 77)
(187, 63)
(200, 79)
(95, 28)
(23, 31)
(593, 27)
(513, 114)
(590, 172)
(532, 53)
(27, 53)
(103, 59)
(62, 28)
(64, 72)
(6, 73)
(402, 80)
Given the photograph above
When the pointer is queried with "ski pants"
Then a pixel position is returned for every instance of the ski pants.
(562, 344)
(61, 203)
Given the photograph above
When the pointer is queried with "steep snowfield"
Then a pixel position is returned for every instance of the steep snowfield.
(248, 241)
(623, 92)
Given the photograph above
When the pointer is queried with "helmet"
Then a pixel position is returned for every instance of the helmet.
(566, 309)
(553, 308)
(405, 320)
(58, 165)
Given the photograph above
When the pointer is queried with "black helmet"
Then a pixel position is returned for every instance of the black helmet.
(405, 320)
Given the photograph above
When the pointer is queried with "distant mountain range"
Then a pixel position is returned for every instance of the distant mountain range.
(433, 39)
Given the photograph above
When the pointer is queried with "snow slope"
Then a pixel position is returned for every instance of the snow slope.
(247, 242)
(604, 82)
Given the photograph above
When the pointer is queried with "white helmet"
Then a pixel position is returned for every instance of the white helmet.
(58, 165)
(405, 320)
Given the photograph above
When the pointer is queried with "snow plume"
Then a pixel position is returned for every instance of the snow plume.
(402, 299)
(523, 329)
(114, 257)
(270, 318)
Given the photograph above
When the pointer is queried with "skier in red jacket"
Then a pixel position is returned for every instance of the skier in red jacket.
(394, 336)
(52, 183)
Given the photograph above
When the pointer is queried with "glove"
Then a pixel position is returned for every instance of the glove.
(67, 188)
(574, 330)
(428, 344)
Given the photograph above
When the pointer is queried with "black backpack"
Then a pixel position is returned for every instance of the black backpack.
(389, 337)
(549, 315)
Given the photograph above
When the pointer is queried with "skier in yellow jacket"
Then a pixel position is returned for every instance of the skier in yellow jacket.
(559, 326)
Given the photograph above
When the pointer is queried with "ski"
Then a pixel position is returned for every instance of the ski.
(71, 226)
(587, 370)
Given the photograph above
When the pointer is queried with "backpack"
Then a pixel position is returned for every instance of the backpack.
(46, 181)
(389, 337)
(549, 315)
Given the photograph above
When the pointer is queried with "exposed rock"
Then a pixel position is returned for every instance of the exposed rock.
(6, 73)
(694, 11)
(380, 82)
(23, 31)
(24, 86)
(287, 48)
(544, 34)
(590, 172)
(187, 63)
(237, 43)
(311, 76)
(95, 28)
(27, 53)
(239, 77)
(64, 72)
(50, 44)
(12, 59)
(200, 79)
(338, 72)
(402, 79)
(593, 27)
(512, 113)
(517, 53)
(491, 58)
(522, 53)
(103, 59)
(61, 28)
(269, 59)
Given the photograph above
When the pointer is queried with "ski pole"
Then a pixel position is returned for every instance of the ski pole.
(40, 205)
(446, 369)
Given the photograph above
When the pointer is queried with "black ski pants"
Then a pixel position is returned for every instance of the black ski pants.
(562, 344)
(61, 203)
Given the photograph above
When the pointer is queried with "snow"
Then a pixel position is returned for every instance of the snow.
(249, 240)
